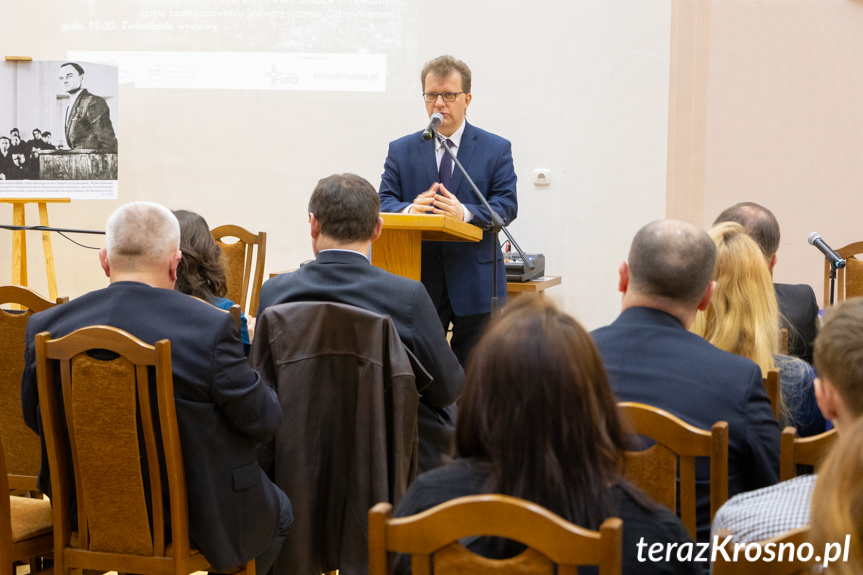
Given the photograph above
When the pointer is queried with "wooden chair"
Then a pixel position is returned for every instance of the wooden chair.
(433, 537)
(100, 395)
(20, 444)
(237, 315)
(243, 261)
(771, 385)
(780, 546)
(849, 280)
(348, 438)
(25, 527)
(677, 444)
(796, 451)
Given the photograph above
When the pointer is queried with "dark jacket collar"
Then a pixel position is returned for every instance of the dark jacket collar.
(647, 315)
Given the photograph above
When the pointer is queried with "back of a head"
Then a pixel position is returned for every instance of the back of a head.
(538, 409)
(837, 502)
(141, 236)
(838, 352)
(672, 260)
(759, 222)
(200, 272)
(346, 206)
(743, 316)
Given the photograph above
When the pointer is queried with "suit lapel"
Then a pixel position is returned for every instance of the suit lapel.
(459, 186)
(429, 162)
(72, 111)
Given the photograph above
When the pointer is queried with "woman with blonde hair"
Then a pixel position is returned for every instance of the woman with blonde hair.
(743, 318)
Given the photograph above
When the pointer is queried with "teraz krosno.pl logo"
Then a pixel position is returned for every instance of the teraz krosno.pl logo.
(734, 552)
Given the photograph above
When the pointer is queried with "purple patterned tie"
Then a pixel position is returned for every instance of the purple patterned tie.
(445, 170)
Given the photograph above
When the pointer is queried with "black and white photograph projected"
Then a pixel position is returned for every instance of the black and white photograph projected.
(58, 129)
(294, 45)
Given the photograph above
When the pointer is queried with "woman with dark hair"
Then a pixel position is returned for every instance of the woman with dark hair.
(200, 273)
(538, 421)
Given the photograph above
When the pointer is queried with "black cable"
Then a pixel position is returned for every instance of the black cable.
(76, 243)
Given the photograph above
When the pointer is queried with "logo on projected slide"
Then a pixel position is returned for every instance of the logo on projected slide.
(278, 78)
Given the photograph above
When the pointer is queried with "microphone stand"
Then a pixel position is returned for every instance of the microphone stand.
(495, 225)
(834, 265)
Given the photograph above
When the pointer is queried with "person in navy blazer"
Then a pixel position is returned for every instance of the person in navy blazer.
(235, 512)
(457, 275)
(652, 358)
(344, 220)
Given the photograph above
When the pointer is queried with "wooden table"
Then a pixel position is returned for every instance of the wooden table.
(536, 286)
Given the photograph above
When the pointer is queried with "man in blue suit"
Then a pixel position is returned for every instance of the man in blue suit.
(419, 178)
(652, 358)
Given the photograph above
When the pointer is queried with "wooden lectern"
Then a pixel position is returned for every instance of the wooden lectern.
(399, 248)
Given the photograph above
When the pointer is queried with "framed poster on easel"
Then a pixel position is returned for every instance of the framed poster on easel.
(58, 143)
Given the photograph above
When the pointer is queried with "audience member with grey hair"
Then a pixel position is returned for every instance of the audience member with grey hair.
(651, 358)
(223, 408)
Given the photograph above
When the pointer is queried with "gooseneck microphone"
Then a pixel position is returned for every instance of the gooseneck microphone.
(835, 259)
(435, 121)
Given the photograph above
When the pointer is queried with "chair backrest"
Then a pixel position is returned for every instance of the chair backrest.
(849, 280)
(771, 386)
(796, 451)
(554, 545)
(676, 446)
(116, 436)
(20, 444)
(243, 261)
(776, 556)
(348, 437)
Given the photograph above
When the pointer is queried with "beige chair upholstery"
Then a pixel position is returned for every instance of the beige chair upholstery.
(103, 394)
(20, 444)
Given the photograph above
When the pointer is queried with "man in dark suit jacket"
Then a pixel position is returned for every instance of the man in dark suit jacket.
(88, 119)
(457, 275)
(652, 358)
(235, 512)
(798, 308)
(345, 220)
(6, 163)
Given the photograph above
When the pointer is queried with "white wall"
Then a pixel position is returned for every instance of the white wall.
(580, 88)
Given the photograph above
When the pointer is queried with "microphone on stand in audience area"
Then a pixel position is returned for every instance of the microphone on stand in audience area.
(835, 259)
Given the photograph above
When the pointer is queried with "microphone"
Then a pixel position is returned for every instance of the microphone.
(835, 259)
(435, 121)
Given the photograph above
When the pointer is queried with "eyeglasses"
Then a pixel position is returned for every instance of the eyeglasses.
(431, 97)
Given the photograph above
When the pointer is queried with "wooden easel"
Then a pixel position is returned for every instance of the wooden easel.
(19, 241)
